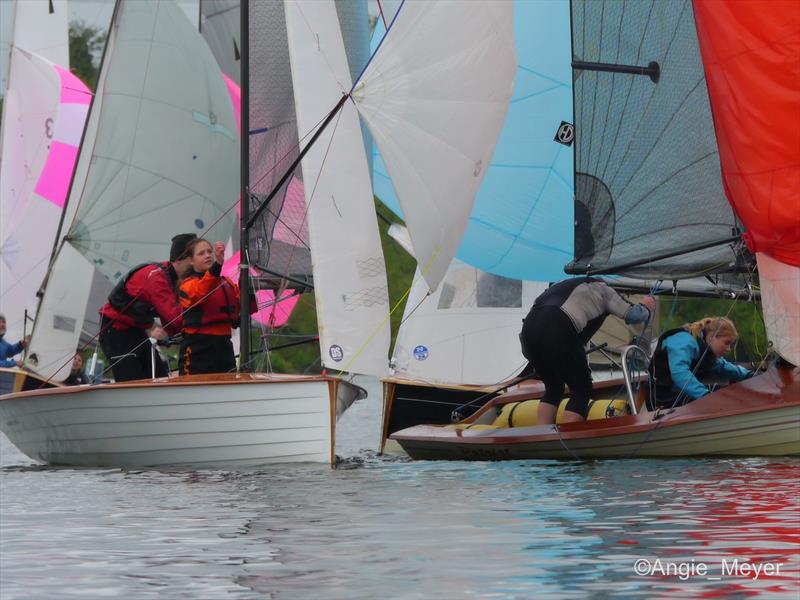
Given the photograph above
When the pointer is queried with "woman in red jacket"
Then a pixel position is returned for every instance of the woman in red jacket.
(211, 309)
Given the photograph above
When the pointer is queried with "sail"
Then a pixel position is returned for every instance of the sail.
(275, 247)
(647, 175)
(465, 332)
(349, 271)
(153, 163)
(41, 27)
(522, 223)
(752, 63)
(44, 111)
(441, 101)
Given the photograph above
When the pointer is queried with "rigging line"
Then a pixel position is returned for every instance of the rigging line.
(387, 318)
(654, 88)
(357, 80)
(383, 16)
(288, 152)
(294, 249)
(630, 89)
(315, 37)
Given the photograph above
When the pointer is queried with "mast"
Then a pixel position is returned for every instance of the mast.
(244, 238)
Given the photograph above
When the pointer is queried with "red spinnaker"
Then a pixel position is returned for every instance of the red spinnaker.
(751, 55)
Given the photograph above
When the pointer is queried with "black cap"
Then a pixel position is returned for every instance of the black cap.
(179, 243)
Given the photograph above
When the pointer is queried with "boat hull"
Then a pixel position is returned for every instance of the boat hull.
(193, 421)
(757, 417)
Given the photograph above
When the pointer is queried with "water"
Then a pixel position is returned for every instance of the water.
(391, 528)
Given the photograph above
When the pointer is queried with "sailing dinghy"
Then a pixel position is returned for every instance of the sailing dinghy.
(651, 202)
(435, 106)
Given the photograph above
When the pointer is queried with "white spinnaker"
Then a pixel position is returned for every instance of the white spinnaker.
(28, 223)
(435, 103)
(467, 331)
(349, 271)
(780, 302)
(155, 156)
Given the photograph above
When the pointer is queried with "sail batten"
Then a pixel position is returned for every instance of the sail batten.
(648, 194)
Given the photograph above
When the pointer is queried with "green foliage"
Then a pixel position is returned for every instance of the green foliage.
(747, 317)
(305, 358)
(85, 43)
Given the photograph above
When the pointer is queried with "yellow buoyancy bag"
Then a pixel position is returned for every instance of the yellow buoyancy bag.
(524, 414)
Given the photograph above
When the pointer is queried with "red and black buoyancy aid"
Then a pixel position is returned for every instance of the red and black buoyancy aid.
(659, 364)
(140, 311)
(221, 306)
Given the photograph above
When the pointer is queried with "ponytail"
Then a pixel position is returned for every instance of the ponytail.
(720, 326)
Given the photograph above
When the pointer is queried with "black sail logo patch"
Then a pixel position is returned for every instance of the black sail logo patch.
(565, 134)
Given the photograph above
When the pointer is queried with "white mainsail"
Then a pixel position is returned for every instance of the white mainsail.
(435, 105)
(154, 162)
(44, 110)
(349, 271)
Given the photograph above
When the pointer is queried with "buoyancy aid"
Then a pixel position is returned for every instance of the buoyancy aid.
(659, 364)
(222, 305)
(140, 311)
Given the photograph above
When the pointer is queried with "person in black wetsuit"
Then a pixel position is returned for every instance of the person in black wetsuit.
(561, 322)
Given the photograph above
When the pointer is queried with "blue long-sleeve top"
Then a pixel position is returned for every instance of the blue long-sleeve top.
(682, 351)
(7, 352)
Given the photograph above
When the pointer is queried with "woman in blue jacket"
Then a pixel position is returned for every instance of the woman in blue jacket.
(684, 356)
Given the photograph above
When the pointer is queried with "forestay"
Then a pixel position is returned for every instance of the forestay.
(153, 162)
(435, 104)
(647, 175)
(349, 272)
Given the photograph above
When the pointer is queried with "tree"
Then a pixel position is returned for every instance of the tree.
(85, 45)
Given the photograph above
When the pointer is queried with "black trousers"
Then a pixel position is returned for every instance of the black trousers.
(203, 353)
(129, 353)
(550, 342)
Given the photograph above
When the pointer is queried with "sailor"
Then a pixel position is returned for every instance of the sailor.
(685, 356)
(211, 309)
(76, 374)
(7, 350)
(562, 321)
(147, 291)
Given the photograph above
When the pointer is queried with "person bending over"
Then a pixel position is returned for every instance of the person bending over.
(561, 322)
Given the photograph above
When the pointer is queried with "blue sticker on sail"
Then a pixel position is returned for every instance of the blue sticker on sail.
(421, 352)
(336, 352)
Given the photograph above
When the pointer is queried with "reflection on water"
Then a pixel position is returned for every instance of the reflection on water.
(399, 529)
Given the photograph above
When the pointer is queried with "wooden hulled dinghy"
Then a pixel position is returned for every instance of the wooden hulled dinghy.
(249, 419)
(756, 417)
